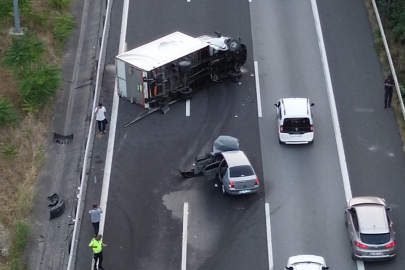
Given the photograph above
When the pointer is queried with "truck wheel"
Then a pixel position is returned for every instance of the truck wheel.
(235, 74)
(186, 93)
(184, 66)
(234, 45)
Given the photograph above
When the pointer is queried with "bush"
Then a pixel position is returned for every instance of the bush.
(24, 53)
(60, 4)
(7, 113)
(20, 234)
(9, 151)
(39, 86)
(63, 26)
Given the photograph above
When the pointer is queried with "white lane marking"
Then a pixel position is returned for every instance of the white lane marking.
(259, 99)
(113, 124)
(332, 104)
(187, 107)
(184, 245)
(269, 240)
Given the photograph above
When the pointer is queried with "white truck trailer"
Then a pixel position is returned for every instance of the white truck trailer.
(174, 67)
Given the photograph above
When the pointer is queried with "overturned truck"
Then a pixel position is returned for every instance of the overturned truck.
(174, 67)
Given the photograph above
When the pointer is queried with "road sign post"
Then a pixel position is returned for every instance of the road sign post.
(17, 27)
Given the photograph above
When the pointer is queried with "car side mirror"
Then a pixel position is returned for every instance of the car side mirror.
(389, 209)
(275, 105)
(288, 268)
(312, 104)
(347, 209)
(325, 268)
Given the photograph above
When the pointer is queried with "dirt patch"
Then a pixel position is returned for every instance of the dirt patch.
(22, 146)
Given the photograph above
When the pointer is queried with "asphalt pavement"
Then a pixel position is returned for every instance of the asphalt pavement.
(374, 149)
(302, 184)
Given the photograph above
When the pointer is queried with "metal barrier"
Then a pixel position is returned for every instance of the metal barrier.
(387, 50)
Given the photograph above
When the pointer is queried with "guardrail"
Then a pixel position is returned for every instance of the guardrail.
(100, 60)
(387, 50)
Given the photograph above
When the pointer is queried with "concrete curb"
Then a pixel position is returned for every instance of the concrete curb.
(387, 50)
(100, 60)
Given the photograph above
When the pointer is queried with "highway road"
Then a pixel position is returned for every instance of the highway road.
(303, 185)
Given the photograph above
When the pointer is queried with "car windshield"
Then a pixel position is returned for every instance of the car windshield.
(241, 171)
(375, 239)
(296, 122)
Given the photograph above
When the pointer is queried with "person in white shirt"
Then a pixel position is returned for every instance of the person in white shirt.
(99, 113)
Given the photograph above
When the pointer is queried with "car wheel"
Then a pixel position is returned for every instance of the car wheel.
(184, 66)
(223, 190)
(352, 252)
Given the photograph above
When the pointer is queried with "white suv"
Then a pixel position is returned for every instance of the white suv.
(295, 124)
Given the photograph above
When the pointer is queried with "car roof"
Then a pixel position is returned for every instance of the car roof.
(307, 262)
(372, 218)
(296, 107)
(235, 158)
(366, 200)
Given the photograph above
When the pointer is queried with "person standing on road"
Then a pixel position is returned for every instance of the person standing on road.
(99, 113)
(95, 214)
(97, 246)
(388, 88)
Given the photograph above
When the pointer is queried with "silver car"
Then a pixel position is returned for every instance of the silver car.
(307, 262)
(235, 173)
(370, 229)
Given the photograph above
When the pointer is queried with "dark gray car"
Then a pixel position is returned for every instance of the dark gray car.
(370, 229)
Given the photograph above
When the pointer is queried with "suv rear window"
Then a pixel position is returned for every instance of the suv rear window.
(375, 239)
(241, 171)
(296, 122)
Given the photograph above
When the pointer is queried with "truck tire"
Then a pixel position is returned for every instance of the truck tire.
(184, 66)
(234, 45)
(186, 93)
(235, 74)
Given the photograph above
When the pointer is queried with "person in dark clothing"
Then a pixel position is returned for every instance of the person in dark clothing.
(388, 88)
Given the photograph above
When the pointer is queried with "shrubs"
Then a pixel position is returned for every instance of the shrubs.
(64, 25)
(7, 112)
(39, 86)
(23, 55)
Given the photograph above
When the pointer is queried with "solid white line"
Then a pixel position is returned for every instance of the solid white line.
(187, 107)
(259, 99)
(184, 245)
(332, 104)
(113, 125)
(269, 240)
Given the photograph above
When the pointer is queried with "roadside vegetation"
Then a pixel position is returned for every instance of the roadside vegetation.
(392, 14)
(30, 77)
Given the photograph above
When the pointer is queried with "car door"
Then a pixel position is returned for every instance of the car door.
(211, 170)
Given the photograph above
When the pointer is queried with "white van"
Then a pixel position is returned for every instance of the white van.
(295, 122)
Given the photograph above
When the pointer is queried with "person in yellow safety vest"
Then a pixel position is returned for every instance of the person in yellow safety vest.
(97, 246)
